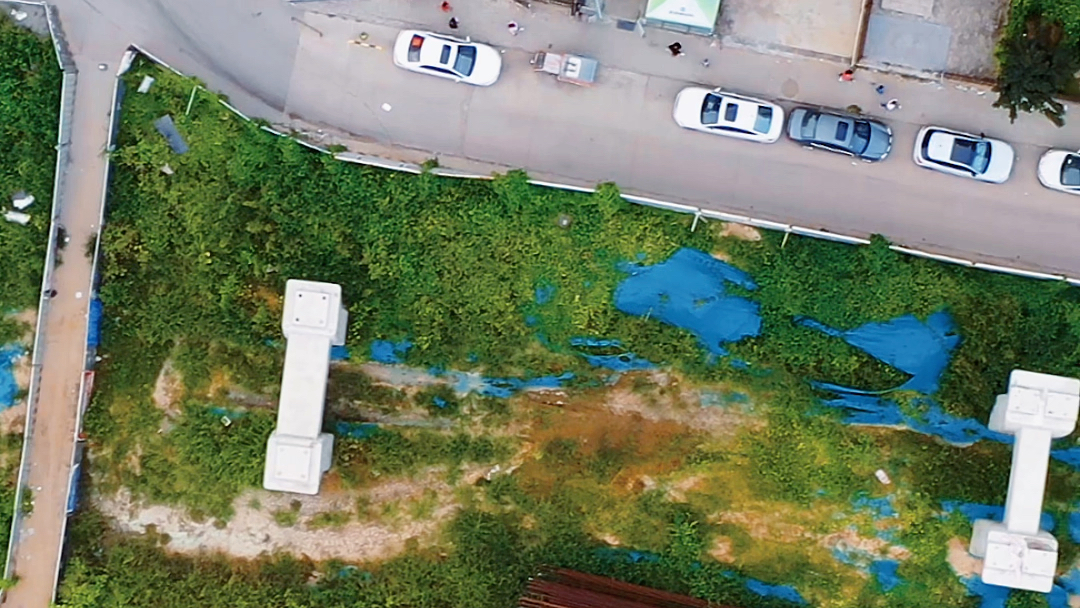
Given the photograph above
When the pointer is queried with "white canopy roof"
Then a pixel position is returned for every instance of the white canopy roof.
(694, 14)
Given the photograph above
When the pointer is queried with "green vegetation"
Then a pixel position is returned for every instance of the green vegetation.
(1038, 57)
(195, 264)
(30, 82)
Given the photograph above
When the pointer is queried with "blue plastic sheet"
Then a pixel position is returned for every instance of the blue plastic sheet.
(9, 388)
(884, 570)
(503, 387)
(920, 349)
(621, 362)
(688, 290)
(992, 595)
(355, 430)
(93, 323)
(385, 351)
(974, 510)
(784, 592)
(339, 353)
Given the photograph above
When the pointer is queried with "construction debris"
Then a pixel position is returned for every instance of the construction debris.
(144, 86)
(167, 128)
(17, 218)
(22, 200)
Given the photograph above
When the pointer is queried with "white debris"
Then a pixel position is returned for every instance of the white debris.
(22, 200)
(16, 217)
(882, 476)
(144, 86)
(387, 107)
(167, 170)
(19, 15)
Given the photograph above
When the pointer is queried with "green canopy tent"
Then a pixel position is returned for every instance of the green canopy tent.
(691, 16)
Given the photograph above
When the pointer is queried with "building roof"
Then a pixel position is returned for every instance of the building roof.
(558, 588)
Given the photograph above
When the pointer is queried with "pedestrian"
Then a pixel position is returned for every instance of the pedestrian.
(514, 28)
(892, 104)
(705, 62)
(676, 49)
(453, 23)
(880, 89)
(445, 6)
(847, 75)
(51, 293)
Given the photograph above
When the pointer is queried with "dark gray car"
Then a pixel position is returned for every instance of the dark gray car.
(852, 135)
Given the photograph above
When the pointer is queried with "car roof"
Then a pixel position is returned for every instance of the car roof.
(432, 49)
(745, 117)
(825, 130)
(940, 145)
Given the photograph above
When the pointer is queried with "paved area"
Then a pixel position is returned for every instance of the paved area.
(292, 64)
(64, 336)
(826, 27)
(950, 36)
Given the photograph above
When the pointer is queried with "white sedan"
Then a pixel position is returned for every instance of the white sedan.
(958, 153)
(724, 113)
(1060, 170)
(460, 60)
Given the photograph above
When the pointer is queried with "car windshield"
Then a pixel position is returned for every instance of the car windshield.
(763, 120)
(466, 60)
(414, 47)
(971, 153)
(710, 109)
(860, 141)
(1070, 171)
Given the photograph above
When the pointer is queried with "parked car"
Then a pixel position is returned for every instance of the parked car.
(723, 113)
(958, 153)
(1060, 170)
(843, 133)
(444, 56)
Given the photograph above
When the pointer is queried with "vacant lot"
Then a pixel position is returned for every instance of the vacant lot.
(535, 377)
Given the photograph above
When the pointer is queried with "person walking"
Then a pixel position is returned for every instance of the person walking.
(445, 6)
(514, 28)
(847, 75)
(676, 49)
(879, 89)
(453, 23)
(892, 104)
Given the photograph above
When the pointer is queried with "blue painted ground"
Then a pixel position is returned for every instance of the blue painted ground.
(688, 290)
(9, 389)
(355, 430)
(464, 382)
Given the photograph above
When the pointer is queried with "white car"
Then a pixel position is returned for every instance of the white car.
(1060, 170)
(460, 60)
(723, 113)
(958, 153)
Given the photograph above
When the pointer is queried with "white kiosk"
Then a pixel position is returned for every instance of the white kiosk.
(1015, 552)
(298, 453)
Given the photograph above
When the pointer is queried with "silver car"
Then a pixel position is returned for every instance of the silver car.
(842, 133)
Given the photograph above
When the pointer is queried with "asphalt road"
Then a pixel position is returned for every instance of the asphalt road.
(270, 58)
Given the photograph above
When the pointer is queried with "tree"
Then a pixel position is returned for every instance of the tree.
(1036, 62)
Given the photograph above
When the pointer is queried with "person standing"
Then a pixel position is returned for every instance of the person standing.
(676, 49)
(453, 23)
(892, 104)
(445, 6)
(847, 75)
(514, 28)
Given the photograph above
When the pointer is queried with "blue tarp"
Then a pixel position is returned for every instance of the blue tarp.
(621, 362)
(9, 388)
(688, 291)
(93, 326)
(385, 351)
(884, 570)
